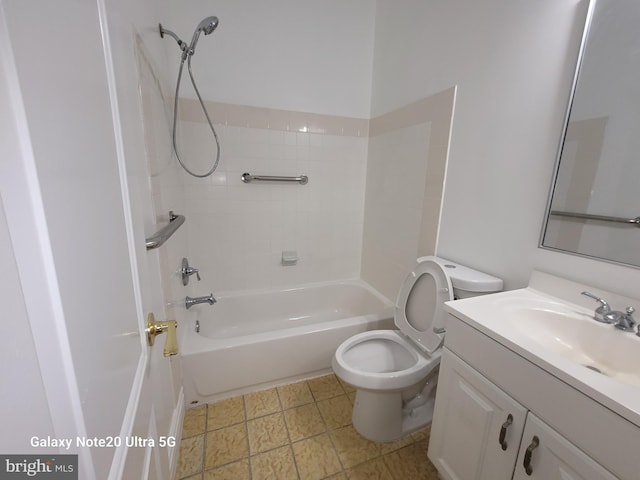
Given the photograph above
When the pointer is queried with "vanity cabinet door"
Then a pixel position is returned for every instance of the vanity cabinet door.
(546, 455)
(476, 428)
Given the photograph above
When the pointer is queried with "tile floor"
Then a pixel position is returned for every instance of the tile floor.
(297, 431)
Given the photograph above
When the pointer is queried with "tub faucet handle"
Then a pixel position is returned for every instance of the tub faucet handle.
(187, 271)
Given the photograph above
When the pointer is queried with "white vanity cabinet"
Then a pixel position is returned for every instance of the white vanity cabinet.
(481, 433)
(552, 457)
(476, 428)
(489, 396)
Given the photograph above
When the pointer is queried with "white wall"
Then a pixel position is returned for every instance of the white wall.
(23, 405)
(25, 412)
(512, 95)
(304, 68)
(513, 64)
(288, 54)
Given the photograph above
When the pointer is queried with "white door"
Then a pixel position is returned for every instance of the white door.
(77, 213)
(476, 427)
(546, 455)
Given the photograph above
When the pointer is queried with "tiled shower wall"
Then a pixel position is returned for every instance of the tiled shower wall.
(238, 231)
(408, 150)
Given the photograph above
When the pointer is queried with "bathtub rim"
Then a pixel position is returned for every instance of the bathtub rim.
(305, 286)
(194, 343)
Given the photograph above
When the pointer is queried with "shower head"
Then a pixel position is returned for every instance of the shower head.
(207, 26)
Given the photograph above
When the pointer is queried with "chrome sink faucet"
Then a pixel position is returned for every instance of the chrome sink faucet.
(190, 302)
(622, 321)
(603, 313)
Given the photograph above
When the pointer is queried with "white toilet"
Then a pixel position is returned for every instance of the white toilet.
(395, 372)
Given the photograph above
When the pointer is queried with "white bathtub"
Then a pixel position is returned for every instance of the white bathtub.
(249, 341)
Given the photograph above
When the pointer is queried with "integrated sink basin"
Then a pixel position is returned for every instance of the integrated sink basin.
(552, 325)
(576, 336)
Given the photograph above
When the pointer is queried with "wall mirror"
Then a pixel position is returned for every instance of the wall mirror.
(594, 208)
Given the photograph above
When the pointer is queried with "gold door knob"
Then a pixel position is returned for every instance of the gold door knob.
(156, 328)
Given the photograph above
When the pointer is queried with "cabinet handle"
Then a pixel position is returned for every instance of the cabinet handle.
(503, 431)
(527, 456)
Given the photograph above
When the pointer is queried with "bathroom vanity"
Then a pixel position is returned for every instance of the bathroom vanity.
(532, 387)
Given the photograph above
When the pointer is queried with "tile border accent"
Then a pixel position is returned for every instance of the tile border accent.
(428, 109)
(246, 116)
(273, 119)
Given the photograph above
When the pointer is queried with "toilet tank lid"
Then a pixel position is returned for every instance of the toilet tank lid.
(465, 278)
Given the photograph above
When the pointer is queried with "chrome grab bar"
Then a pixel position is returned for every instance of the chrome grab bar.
(602, 218)
(162, 235)
(247, 177)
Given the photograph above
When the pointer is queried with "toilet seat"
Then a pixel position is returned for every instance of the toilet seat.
(419, 312)
(381, 360)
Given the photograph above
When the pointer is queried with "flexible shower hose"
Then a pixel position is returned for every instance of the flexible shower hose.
(206, 114)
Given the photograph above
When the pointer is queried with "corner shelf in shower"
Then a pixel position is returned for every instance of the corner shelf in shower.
(157, 239)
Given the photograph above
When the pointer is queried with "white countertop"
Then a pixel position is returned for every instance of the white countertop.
(493, 315)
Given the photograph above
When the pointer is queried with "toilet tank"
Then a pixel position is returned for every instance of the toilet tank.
(468, 282)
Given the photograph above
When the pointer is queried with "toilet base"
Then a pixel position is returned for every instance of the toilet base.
(382, 417)
(418, 417)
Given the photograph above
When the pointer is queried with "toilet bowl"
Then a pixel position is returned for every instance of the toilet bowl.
(395, 371)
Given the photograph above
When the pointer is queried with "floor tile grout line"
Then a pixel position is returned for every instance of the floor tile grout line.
(329, 436)
(246, 430)
(286, 427)
(328, 430)
(333, 445)
(204, 440)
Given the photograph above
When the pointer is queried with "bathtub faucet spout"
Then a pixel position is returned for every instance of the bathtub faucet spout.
(190, 302)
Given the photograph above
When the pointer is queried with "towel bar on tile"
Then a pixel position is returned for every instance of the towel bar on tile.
(247, 177)
(601, 218)
(162, 235)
